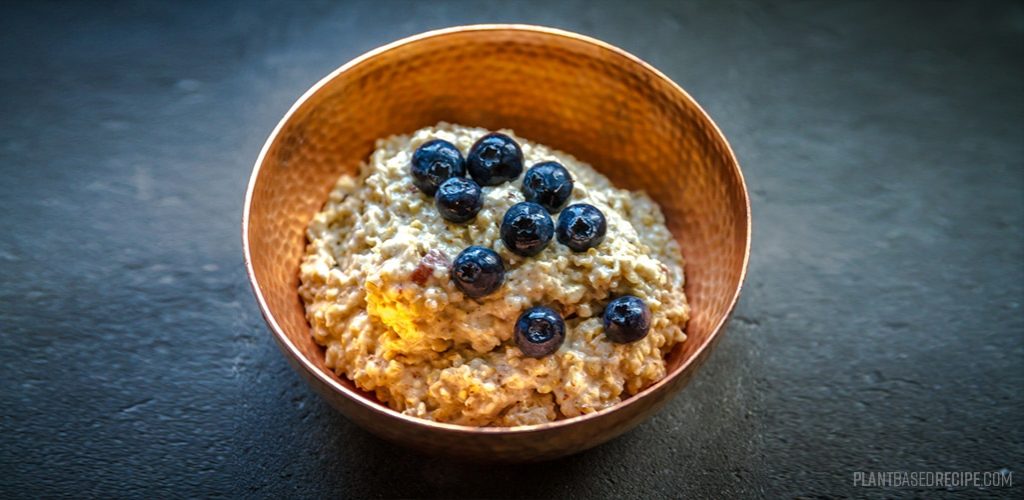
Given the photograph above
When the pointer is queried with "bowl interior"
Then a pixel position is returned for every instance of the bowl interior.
(566, 91)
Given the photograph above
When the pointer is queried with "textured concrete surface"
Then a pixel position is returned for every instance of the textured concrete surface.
(881, 327)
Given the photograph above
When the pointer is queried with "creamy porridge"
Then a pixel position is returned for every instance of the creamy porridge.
(382, 298)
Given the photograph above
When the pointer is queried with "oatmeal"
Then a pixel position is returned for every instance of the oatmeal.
(530, 345)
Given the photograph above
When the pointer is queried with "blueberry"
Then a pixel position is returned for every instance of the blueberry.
(626, 319)
(548, 184)
(581, 226)
(526, 228)
(539, 331)
(459, 199)
(478, 271)
(494, 159)
(435, 162)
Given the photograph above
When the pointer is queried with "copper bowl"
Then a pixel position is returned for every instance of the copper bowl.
(568, 91)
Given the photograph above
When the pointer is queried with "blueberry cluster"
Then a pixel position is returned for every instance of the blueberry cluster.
(439, 170)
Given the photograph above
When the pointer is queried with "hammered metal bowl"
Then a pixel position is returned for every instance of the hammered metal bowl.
(562, 89)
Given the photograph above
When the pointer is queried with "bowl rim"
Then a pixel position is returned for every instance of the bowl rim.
(386, 411)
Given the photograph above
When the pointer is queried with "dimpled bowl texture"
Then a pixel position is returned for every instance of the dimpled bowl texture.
(568, 91)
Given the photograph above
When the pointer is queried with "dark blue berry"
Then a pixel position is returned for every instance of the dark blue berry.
(548, 184)
(581, 226)
(626, 319)
(478, 271)
(526, 228)
(435, 162)
(539, 331)
(494, 159)
(459, 199)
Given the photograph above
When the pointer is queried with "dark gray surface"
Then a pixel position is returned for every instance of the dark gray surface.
(880, 329)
